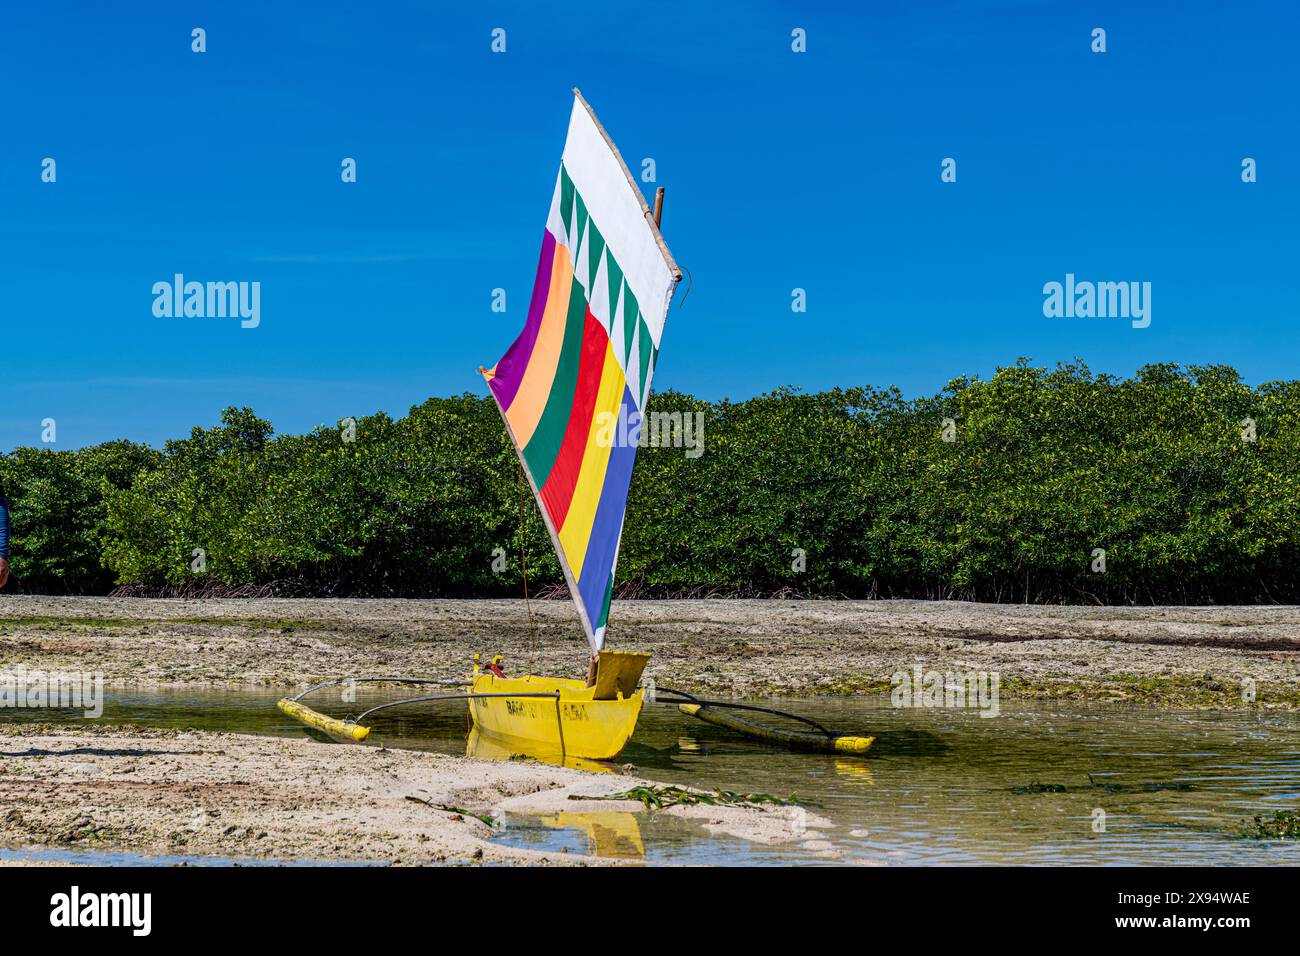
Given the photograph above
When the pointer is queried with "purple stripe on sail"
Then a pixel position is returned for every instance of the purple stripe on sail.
(603, 544)
(510, 370)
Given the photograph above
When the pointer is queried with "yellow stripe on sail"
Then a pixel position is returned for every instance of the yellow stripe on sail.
(535, 388)
(576, 532)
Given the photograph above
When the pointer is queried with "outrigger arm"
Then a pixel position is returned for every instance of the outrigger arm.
(352, 727)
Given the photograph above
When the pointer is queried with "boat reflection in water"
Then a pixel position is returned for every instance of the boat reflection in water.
(612, 834)
(486, 747)
(855, 772)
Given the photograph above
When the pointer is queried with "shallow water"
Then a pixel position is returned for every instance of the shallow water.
(1166, 787)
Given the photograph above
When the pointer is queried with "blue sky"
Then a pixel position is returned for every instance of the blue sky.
(818, 170)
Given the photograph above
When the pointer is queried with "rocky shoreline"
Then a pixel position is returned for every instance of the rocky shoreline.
(1160, 656)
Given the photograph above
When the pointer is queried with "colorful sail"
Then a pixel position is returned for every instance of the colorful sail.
(574, 384)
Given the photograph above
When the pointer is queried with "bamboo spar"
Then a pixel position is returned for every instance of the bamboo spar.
(659, 207)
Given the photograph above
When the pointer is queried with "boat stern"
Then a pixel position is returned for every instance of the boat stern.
(551, 715)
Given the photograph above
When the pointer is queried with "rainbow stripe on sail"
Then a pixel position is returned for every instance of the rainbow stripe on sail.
(585, 358)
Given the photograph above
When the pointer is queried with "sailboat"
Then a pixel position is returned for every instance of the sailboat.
(572, 392)
(580, 368)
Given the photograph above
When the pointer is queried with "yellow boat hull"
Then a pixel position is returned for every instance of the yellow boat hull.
(572, 723)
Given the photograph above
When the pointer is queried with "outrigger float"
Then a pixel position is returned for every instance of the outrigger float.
(582, 364)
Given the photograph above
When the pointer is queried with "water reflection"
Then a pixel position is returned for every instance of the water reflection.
(612, 834)
(937, 787)
(485, 747)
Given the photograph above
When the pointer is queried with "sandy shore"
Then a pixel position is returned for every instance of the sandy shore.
(1163, 655)
(238, 797)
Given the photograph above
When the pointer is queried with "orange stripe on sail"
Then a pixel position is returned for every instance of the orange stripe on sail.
(530, 401)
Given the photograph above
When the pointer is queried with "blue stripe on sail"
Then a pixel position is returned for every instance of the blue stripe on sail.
(603, 546)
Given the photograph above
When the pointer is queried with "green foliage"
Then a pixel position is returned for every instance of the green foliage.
(1046, 466)
(59, 515)
(415, 506)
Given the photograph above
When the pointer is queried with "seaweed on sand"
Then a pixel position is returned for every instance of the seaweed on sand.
(1282, 825)
(660, 798)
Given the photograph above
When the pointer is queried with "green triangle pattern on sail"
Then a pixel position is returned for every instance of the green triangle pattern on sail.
(582, 220)
(595, 253)
(643, 376)
(566, 204)
(631, 315)
(615, 288)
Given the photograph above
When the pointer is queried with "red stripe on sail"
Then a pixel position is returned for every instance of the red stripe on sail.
(509, 372)
(557, 493)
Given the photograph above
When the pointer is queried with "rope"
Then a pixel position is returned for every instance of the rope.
(549, 695)
(692, 699)
(377, 680)
(523, 565)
